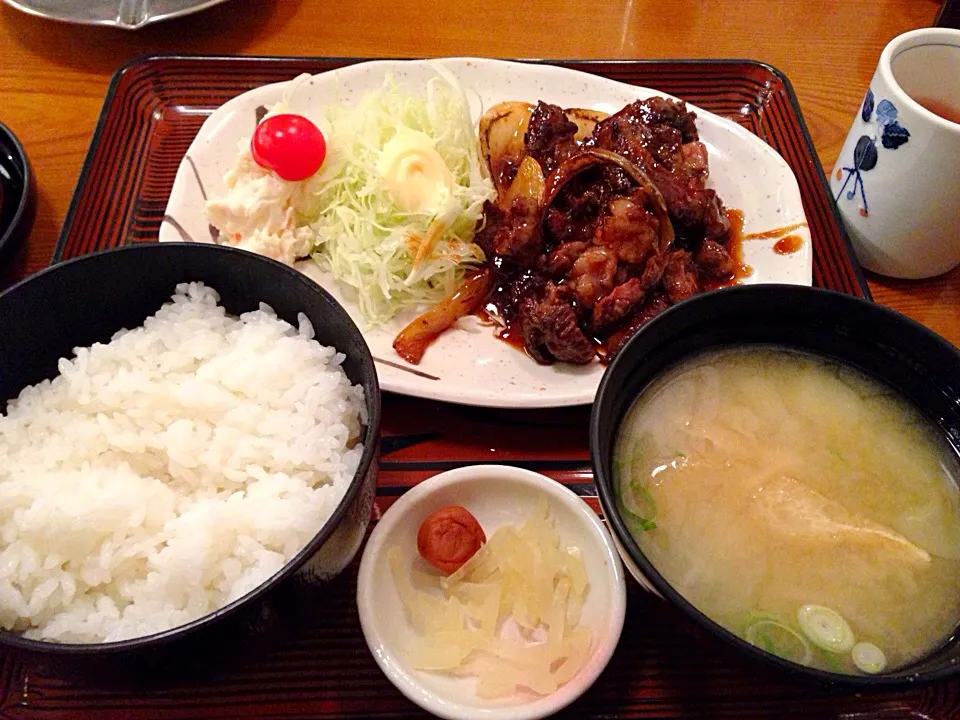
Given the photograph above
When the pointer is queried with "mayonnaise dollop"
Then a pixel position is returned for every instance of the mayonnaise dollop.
(414, 173)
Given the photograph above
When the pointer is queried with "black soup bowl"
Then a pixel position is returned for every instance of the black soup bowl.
(17, 196)
(88, 299)
(915, 362)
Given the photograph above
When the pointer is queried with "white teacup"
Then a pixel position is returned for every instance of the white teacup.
(897, 181)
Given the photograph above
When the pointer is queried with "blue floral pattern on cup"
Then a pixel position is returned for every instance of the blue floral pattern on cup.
(891, 135)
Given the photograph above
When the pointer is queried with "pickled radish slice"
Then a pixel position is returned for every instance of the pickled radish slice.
(509, 616)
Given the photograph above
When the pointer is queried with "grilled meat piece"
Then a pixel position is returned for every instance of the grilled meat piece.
(714, 261)
(513, 235)
(575, 214)
(629, 229)
(560, 261)
(654, 305)
(550, 136)
(653, 270)
(694, 157)
(551, 330)
(716, 224)
(680, 276)
(510, 290)
(648, 132)
(660, 136)
(592, 275)
(618, 305)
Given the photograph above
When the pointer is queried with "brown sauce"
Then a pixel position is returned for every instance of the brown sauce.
(788, 244)
(775, 233)
(735, 248)
(510, 334)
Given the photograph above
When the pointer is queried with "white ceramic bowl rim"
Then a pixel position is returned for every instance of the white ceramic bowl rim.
(607, 635)
(908, 41)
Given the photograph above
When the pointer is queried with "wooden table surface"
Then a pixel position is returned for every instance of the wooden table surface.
(53, 76)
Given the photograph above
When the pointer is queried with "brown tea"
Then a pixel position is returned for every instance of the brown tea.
(941, 108)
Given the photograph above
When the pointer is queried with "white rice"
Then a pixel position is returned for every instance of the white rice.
(168, 472)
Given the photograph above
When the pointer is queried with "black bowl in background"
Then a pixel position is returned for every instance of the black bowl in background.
(17, 195)
(920, 365)
(88, 299)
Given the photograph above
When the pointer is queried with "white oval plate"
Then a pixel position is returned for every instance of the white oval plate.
(469, 365)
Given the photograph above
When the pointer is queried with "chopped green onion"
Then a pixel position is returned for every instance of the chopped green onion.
(640, 524)
(769, 633)
(626, 465)
(868, 658)
(826, 628)
(643, 501)
(640, 517)
(829, 658)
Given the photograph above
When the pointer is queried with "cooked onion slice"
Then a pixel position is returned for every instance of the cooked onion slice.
(415, 338)
(585, 120)
(509, 616)
(502, 131)
(591, 157)
(528, 183)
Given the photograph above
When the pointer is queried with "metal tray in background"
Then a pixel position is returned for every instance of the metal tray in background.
(126, 14)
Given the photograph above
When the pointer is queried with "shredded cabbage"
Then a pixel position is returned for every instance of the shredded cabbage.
(345, 218)
(361, 235)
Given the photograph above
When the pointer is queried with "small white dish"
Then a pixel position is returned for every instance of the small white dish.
(496, 495)
(470, 365)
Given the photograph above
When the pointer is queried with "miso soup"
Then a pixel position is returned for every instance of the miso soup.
(797, 503)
